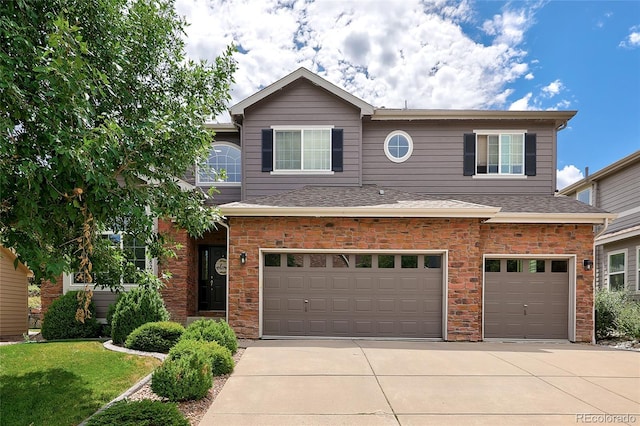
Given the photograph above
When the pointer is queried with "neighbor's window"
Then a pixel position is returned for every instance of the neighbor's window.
(398, 146)
(302, 149)
(222, 157)
(584, 196)
(617, 263)
(500, 153)
(638, 266)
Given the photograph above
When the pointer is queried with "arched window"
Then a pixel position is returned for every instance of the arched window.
(222, 167)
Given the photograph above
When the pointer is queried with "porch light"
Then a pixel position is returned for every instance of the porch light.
(243, 257)
(588, 264)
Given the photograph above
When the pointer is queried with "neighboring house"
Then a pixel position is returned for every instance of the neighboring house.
(345, 220)
(615, 188)
(14, 296)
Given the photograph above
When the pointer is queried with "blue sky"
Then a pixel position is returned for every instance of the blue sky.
(575, 55)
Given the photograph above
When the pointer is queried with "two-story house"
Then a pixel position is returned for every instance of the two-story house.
(346, 220)
(615, 188)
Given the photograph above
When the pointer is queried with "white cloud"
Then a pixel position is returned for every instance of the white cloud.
(633, 39)
(568, 175)
(529, 76)
(552, 88)
(383, 52)
(522, 104)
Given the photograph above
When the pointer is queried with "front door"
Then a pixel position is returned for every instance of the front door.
(212, 279)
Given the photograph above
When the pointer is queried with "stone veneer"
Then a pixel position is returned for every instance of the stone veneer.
(465, 239)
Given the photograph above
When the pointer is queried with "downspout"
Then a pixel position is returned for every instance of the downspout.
(220, 221)
(593, 313)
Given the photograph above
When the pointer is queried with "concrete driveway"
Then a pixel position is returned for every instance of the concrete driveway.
(360, 382)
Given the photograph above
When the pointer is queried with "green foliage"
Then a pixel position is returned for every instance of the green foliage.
(219, 356)
(180, 379)
(213, 331)
(135, 413)
(60, 320)
(155, 336)
(100, 112)
(138, 306)
(616, 315)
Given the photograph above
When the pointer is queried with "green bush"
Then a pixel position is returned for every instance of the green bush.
(135, 413)
(219, 356)
(628, 320)
(212, 331)
(60, 320)
(608, 305)
(155, 336)
(186, 378)
(138, 306)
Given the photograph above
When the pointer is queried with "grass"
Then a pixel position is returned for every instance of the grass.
(63, 383)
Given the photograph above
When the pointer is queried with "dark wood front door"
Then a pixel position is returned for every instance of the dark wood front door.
(212, 278)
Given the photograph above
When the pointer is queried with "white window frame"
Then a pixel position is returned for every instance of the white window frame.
(624, 271)
(590, 194)
(390, 156)
(219, 182)
(638, 268)
(302, 170)
(499, 133)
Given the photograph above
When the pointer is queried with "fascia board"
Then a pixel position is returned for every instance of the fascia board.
(592, 218)
(357, 212)
(617, 237)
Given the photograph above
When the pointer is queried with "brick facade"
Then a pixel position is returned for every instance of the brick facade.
(465, 239)
(49, 291)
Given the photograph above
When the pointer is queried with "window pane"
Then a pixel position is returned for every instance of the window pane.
(398, 146)
(271, 259)
(492, 265)
(340, 261)
(585, 196)
(363, 260)
(386, 261)
(514, 265)
(536, 266)
(433, 261)
(223, 159)
(295, 260)
(616, 262)
(559, 266)
(318, 260)
(317, 149)
(408, 261)
(616, 282)
(288, 150)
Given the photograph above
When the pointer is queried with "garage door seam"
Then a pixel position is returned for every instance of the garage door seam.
(395, 416)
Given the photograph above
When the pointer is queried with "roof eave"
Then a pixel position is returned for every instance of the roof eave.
(383, 114)
(358, 212)
(611, 168)
(591, 218)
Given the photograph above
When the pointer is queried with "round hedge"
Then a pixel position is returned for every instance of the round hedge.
(219, 356)
(183, 379)
(60, 320)
(212, 331)
(137, 413)
(137, 306)
(155, 336)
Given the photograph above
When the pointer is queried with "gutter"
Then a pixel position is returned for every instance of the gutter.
(592, 218)
(359, 212)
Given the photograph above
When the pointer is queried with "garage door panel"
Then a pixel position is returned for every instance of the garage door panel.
(354, 298)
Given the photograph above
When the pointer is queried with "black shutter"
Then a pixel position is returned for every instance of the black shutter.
(469, 167)
(267, 150)
(530, 154)
(336, 149)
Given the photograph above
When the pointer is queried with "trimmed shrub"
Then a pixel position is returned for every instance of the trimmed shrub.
(60, 320)
(608, 305)
(212, 331)
(138, 306)
(219, 356)
(136, 413)
(628, 320)
(155, 336)
(186, 378)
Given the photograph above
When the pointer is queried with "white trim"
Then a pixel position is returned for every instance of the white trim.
(571, 269)
(499, 134)
(302, 129)
(637, 268)
(498, 176)
(498, 131)
(617, 236)
(226, 277)
(445, 276)
(301, 172)
(386, 146)
(628, 212)
(594, 218)
(219, 183)
(483, 212)
(608, 255)
(588, 188)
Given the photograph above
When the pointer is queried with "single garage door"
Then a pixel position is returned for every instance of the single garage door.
(526, 298)
(352, 295)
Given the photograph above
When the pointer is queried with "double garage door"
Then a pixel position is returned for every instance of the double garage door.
(352, 295)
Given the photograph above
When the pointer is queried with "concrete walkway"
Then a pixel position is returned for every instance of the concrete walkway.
(345, 382)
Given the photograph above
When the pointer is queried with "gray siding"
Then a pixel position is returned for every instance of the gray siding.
(300, 103)
(227, 194)
(619, 192)
(436, 165)
(102, 300)
(631, 272)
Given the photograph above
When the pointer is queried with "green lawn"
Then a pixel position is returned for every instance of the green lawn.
(63, 383)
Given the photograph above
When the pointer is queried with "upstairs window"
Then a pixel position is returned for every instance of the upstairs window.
(222, 167)
(311, 149)
(498, 153)
(585, 196)
(617, 269)
(398, 146)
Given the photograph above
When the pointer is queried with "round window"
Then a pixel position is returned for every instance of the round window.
(398, 146)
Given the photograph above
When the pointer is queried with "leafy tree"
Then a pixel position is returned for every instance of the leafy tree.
(100, 111)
